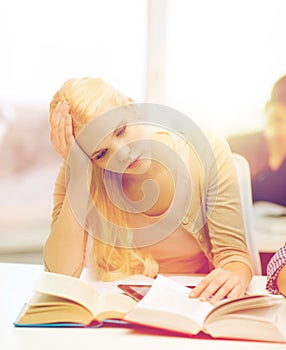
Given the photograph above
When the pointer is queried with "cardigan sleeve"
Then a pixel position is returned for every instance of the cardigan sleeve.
(59, 192)
(223, 208)
(59, 196)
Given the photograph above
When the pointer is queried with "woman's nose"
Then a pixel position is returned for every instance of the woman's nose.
(123, 152)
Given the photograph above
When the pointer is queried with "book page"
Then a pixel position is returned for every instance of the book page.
(266, 323)
(50, 309)
(112, 306)
(74, 289)
(66, 287)
(246, 303)
(173, 298)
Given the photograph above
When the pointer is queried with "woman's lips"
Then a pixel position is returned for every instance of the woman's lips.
(134, 163)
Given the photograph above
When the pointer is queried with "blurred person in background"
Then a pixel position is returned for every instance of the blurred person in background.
(265, 150)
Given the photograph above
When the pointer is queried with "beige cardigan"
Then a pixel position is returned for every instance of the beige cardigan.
(215, 216)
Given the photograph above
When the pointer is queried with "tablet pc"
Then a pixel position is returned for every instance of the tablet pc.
(137, 291)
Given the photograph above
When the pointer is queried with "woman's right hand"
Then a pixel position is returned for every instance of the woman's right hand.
(65, 143)
(61, 133)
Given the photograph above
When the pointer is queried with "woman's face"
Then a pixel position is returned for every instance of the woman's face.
(125, 149)
(276, 121)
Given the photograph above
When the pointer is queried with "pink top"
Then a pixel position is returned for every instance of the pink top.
(179, 252)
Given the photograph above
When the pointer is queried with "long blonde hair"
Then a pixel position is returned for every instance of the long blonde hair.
(88, 98)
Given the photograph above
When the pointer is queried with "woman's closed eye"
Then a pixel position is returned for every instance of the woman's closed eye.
(101, 154)
(118, 132)
(121, 130)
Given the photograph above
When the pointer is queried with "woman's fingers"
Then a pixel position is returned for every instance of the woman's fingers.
(208, 285)
(69, 138)
(217, 285)
(61, 134)
(63, 139)
(55, 120)
(61, 129)
(230, 289)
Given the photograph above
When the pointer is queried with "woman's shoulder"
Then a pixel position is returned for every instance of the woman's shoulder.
(215, 144)
(215, 139)
(206, 145)
(197, 138)
(245, 139)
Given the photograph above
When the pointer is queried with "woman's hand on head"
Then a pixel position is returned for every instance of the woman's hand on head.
(219, 284)
(61, 133)
(65, 143)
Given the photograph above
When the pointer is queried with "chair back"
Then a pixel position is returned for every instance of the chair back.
(244, 181)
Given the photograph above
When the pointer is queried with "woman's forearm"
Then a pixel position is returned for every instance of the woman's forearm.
(65, 246)
(64, 251)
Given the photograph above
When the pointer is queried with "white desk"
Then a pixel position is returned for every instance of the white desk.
(16, 282)
(269, 243)
(270, 231)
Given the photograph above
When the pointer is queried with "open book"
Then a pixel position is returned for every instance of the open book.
(62, 300)
(167, 306)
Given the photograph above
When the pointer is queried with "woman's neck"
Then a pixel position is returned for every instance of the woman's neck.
(151, 193)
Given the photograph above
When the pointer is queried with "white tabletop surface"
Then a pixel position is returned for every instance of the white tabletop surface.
(269, 223)
(269, 243)
(16, 282)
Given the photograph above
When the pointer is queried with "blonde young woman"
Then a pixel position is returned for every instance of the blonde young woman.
(134, 198)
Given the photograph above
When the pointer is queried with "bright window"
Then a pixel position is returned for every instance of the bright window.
(45, 42)
(223, 58)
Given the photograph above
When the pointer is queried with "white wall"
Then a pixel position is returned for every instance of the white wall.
(44, 43)
(223, 58)
(214, 60)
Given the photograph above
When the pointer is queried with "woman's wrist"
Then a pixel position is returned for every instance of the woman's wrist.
(241, 269)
